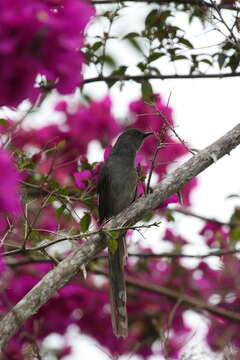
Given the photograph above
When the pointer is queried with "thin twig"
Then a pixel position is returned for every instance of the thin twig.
(201, 217)
(75, 237)
(173, 254)
(192, 301)
(159, 77)
(199, 3)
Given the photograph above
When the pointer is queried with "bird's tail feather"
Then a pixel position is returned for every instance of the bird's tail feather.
(118, 289)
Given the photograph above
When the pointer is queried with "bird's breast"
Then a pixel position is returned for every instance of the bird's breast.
(122, 186)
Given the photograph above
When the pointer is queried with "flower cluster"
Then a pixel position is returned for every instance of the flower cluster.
(40, 37)
(9, 186)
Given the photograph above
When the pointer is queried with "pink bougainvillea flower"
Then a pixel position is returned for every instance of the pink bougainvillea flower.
(170, 236)
(9, 185)
(215, 234)
(173, 199)
(81, 178)
(107, 152)
(37, 39)
(2, 264)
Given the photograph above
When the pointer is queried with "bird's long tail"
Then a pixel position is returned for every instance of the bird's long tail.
(118, 289)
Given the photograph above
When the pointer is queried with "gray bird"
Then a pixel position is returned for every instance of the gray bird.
(117, 188)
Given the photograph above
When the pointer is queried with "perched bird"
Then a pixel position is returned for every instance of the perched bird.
(117, 188)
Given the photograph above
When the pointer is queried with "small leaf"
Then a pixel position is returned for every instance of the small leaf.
(135, 44)
(3, 122)
(235, 234)
(155, 56)
(85, 222)
(147, 91)
(233, 62)
(178, 57)
(108, 60)
(131, 35)
(185, 42)
(151, 18)
(148, 216)
(61, 144)
(97, 45)
(221, 59)
(113, 241)
(164, 15)
(60, 210)
(233, 196)
(141, 66)
(206, 61)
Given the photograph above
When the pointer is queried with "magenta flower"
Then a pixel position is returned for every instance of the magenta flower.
(2, 264)
(81, 179)
(172, 199)
(107, 152)
(35, 39)
(175, 239)
(9, 187)
(215, 235)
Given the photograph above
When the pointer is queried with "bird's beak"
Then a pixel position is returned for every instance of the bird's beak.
(148, 133)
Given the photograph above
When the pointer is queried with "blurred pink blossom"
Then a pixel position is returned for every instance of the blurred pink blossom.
(34, 40)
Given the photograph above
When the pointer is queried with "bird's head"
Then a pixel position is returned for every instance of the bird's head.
(132, 139)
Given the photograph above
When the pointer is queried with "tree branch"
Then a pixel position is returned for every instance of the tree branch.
(200, 3)
(71, 265)
(158, 77)
(187, 299)
(167, 254)
(172, 294)
(201, 217)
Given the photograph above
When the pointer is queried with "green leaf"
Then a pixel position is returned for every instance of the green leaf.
(155, 56)
(147, 91)
(233, 62)
(185, 42)
(85, 222)
(60, 210)
(3, 122)
(97, 45)
(235, 231)
(108, 60)
(206, 61)
(148, 216)
(131, 35)
(235, 234)
(135, 44)
(119, 72)
(113, 241)
(178, 57)
(164, 15)
(169, 217)
(142, 66)
(61, 144)
(151, 18)
(221, 59)
(233, 196)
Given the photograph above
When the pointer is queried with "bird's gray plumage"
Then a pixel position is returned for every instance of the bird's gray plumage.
(117, 187)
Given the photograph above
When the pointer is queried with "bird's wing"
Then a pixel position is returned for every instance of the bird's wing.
(103, 191)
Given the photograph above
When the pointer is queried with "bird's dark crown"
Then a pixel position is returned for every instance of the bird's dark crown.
(130, 141)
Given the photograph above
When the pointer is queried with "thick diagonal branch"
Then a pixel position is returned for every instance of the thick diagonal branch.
(70, 266)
